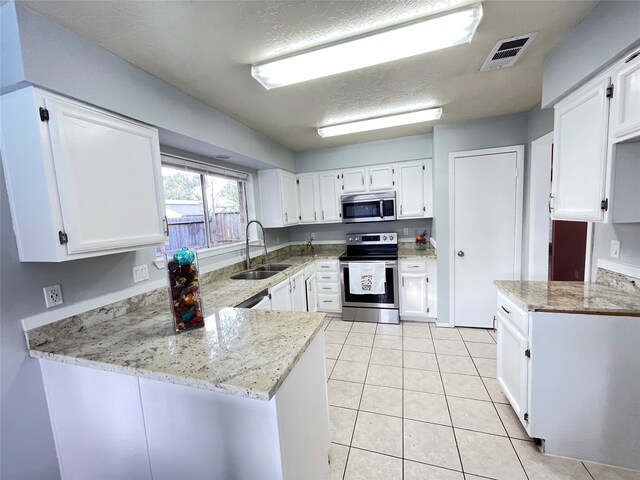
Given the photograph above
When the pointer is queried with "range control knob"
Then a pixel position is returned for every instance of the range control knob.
(384, 238)
(391, 237)
(356, 239)
(351, 239)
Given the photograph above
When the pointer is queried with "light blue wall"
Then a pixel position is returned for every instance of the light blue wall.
(628, 234)
(61, 61)
(338, 231)
(370, 153)
(608, 31)
(11, 71)
(500, 131)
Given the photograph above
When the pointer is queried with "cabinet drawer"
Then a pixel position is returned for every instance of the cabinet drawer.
(329, 302)
(513, 313)
(328, 288)
(327, 266)
(413, 266)
(327, 277)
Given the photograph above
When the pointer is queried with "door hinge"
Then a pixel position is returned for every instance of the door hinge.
(393, 170)
(297, 181)
(44, 114)
(527, 353)
(427, 279)
(604, 204)
(424, 209)
(299, 217)
(526, 417)
(393, 182)
(610, 91)
(63, 238)
(423, 167)
(427, 309)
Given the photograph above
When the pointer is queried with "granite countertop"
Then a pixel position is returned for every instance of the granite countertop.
(570, 297)
(239, 351)
(409, 250)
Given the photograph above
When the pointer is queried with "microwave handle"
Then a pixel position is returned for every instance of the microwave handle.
(381, 209)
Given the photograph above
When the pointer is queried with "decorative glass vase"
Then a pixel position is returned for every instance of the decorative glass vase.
(184, 290)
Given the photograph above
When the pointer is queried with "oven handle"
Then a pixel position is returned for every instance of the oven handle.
(390, 263)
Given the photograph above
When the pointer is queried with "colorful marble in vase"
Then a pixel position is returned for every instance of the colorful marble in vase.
(184, 290)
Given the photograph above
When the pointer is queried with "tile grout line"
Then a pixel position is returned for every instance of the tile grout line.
(499, 417)
(453, 430)
(402, 397)
(346, 461)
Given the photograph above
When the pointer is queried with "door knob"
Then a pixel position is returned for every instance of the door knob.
(461, 253)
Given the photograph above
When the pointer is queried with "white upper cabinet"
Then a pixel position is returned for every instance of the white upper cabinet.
(81, 182)
(428, 188)
(410, 194)
(330, 192)
(597, 146)
(279, 195)
(309, 196)
(381, 178)
(353, 180)
(580, 153)
(625, 105)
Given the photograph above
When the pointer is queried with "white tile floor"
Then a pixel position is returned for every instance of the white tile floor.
(416, 402)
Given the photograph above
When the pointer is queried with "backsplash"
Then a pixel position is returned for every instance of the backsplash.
(619, 281)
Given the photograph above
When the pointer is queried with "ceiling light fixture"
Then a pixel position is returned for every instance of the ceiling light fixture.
(412, 38)
(381, 122)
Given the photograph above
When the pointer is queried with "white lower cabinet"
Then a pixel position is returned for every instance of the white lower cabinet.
(281, 298)
(81, 182)
(312, 293)
(572, 381)
(115, 426)
(513, 364)
(328, 284)
(417, 289)
(298, 293)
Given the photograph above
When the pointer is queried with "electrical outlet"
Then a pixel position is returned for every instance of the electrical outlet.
(312, 236)
(52, 296)
(277, 240)
(615, 249)
(140, 273)
(406, 232)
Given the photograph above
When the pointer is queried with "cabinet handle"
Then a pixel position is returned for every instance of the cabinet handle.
(327, 301)
(403, 281)
(400, 209)
(362, 177)
(414, 266)
(166, 226)
(326, 288)
(323, 214)
(370, 179)
(286, 217)
(294, 284)
(315, 216)
(502, 307)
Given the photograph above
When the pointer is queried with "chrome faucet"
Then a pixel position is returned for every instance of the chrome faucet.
(264, 243)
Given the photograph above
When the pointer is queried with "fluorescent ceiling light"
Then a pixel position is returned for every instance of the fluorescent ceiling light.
(381, 122)
(413, 38)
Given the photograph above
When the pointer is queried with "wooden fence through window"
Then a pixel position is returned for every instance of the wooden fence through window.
(189, 231)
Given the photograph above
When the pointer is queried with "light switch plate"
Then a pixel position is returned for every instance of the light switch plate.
(615, 249)
(140, 273)
(406, 232)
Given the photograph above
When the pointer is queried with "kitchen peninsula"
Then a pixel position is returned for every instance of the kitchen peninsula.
(243, 397)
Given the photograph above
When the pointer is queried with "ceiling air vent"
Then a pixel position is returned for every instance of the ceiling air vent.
(506, 52)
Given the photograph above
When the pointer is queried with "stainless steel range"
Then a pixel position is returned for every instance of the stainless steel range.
(369, 255)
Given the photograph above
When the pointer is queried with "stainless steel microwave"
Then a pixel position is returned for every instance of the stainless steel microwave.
(369, 207)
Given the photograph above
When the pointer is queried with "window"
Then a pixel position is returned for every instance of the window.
(204, 207)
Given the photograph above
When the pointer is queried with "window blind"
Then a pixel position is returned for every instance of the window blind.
(197, 166)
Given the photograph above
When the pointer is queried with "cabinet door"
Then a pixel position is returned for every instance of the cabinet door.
(329, 197)
(625, 105)
(410, 193)
(298, 293)
(381, 178)
(428, 188)
(312, 294)
(432, 286)
(281, 296)
(580, 153)
(353, 180)
(413, 295)
(108, 177)
(309, 197)
(289, 198)
(513, 366)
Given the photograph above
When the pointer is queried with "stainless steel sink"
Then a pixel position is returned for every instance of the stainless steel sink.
(273, 267)
(253, 275)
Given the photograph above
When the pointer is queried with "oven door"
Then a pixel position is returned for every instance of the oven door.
(388, 299)
(368, 208)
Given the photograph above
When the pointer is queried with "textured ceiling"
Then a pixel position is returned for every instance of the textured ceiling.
(205, 48)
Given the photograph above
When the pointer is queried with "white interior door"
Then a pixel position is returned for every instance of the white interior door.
(485, 201)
